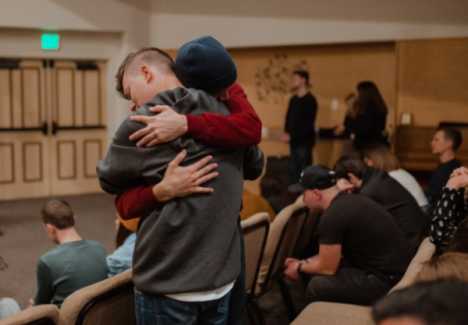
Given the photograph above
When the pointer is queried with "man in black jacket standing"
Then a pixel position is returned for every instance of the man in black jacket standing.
(300, 125)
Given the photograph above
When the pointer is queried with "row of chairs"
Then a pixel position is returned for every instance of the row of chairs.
(107, 302)
(328, 313)
(267, 245)
(289, 235)
(111, 301)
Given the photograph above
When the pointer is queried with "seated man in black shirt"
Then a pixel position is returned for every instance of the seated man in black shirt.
(362, 252)
(445, 143)
(383, 189)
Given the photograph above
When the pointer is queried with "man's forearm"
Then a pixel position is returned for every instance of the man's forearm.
(136, 202)
(242, 128)
(313, 265)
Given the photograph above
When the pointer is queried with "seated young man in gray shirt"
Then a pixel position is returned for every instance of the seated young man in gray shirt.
(187, 254)
(75, 263)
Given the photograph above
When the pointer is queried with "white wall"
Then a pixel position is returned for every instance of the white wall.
(244, 23)
(170, 30)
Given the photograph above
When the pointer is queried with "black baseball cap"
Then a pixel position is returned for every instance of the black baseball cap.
(314, 177)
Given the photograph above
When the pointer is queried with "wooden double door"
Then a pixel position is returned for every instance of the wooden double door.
(52, 127)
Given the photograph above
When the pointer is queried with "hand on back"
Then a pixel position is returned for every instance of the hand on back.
(166, 125)
(180, 181)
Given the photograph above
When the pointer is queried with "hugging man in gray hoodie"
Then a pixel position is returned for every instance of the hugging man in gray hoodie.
(187, 254)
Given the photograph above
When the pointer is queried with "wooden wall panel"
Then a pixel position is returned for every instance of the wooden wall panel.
(92, 153)
(91, 97)
(5, 99)
(7, 163)
(66, 154)
(31, 93)
(33, 167)
(65, 90)
(24, 171)
(79, 100)
(17, 98)
(433, 79)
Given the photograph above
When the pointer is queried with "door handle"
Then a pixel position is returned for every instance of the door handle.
(44, 128)
(54, 128)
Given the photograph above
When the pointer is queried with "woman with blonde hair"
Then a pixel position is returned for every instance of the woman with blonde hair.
(381, 157)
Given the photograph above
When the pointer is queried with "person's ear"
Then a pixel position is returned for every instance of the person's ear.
(147, 73)
(450, 145)
(368, 162)
(317, 195)
(50, 230)
(354, 179)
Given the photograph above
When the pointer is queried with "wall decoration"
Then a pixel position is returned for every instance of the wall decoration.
(273, 79)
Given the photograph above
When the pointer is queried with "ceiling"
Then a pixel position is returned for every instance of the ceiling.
(421, 11)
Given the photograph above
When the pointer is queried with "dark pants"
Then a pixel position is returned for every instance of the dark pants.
(238, 295)
(161, 310)
(300, 156)
(348, 285)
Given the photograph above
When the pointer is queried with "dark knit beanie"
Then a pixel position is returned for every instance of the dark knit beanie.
(205, 64)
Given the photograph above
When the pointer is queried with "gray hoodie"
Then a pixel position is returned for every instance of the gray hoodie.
(192, 243)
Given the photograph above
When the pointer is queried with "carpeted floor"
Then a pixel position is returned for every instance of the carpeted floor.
(24, 240)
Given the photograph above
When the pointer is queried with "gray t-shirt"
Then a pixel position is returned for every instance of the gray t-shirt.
(68, 268)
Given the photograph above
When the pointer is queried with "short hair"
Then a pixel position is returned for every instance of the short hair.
(150, 55)
(304, 74)
(350, 164)
(453, 135)
(58, 213)
(435, 303)
(382, 157)
(451, 265)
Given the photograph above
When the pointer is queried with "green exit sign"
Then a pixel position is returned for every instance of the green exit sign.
(50, 41)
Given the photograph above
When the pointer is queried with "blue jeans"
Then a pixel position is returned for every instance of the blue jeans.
(161, 310)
